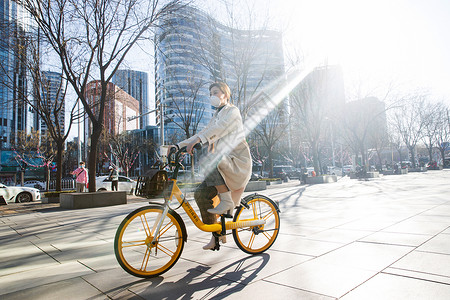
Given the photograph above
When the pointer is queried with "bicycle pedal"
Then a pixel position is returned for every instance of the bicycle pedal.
(227, 215)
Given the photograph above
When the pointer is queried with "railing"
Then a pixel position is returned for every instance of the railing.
(66, 184)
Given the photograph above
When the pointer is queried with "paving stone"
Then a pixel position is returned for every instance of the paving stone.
(251, 268)
(300, 245)
(268, 290)
(418, 275)
(42, 276)
(192, 284)
(415, 227)
(394, 238)
(387, 287)
(366, 256)
(433, 263)
(322, 278)
(22, 257)
(338, 235)
(438, 244)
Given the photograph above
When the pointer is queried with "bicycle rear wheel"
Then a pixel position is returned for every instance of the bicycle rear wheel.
(142, 254)
(257, 239)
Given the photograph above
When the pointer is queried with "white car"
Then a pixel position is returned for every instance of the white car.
(103, 183)
(40, 185)
(19, 194)
(335, 171)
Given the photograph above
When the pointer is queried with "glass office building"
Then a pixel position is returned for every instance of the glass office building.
(52, 91)
(14, 115)
(192, 50)
(135, 83)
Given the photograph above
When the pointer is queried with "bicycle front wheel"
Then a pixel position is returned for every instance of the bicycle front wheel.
(139, 251)
(257, 239)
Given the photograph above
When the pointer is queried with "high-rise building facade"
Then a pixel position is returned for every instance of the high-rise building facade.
(52, 96)
(118, 108)
(135, 83)
(14, 116)
(192, 50)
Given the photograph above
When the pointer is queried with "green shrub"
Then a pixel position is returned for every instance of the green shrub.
(269, 179)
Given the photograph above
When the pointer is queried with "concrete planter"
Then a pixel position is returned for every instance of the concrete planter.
(253, 186)
(367, 175)
(50, 199)
(420, 169)
(276, 182)
(321, 179)
(90, 200)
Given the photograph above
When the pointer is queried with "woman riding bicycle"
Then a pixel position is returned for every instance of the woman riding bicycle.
(228, 165)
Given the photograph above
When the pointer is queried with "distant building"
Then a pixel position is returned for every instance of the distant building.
(135, 83)
(119, 107)
(14, 116)
(51, 93)
(368, 117)
(193, 50)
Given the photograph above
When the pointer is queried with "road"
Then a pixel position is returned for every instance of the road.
(386, 238)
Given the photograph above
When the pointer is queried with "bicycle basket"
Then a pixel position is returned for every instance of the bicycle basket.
(152, 184)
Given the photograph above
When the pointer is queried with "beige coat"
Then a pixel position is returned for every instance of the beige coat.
(231, 152)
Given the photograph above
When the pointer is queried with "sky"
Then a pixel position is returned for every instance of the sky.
(400, 43)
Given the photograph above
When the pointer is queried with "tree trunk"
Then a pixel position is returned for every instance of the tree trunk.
(59, 156)
(430, 153)
(95, 138)
(315, 153)
(270, 164)
(412, 156)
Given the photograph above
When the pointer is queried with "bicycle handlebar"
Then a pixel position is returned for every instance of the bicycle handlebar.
(174, 158)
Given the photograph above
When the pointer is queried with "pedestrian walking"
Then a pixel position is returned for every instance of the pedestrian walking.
(114, 177)
(81, 178)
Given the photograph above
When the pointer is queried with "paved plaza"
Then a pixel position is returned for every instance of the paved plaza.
(385, 238)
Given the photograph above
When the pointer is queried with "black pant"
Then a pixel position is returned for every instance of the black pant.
(203, 196)
(114, 185)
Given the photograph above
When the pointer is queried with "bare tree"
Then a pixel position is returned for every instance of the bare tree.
(363, 126)
(431, 114)
(409, 122)
(443, 131)
(270, 130)
(91, 38)
(311, 108)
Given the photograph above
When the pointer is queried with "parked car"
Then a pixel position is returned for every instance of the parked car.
(335, 171)
(103, 183)
(40, 185)
(19, 194)
(255, 176)
(347, 169)
(285, 172)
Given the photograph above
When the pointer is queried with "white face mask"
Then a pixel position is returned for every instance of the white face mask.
(215, 101)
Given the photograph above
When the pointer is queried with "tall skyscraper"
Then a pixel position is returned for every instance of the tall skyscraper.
(135, 83)
(192, 50)
(52, 93)
(13, 80)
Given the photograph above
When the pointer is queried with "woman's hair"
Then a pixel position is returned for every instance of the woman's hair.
(223, 87)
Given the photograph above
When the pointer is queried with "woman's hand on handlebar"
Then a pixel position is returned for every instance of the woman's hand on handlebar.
(191, 145)
(169, 148)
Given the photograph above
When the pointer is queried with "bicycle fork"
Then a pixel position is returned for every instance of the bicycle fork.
(154, 233)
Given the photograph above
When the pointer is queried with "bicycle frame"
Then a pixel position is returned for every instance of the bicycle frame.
(218, 228)
(198, 222)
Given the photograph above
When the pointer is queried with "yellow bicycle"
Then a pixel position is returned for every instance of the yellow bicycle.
(149, 241)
